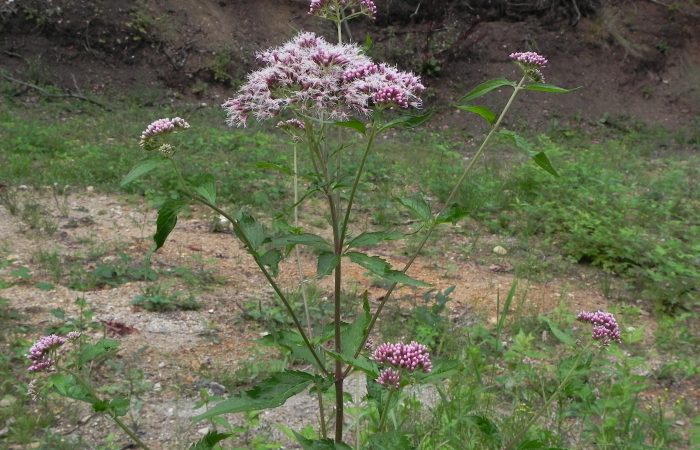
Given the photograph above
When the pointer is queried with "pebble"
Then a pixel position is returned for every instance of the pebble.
(157, 387)
(203, 431)
(500, 250)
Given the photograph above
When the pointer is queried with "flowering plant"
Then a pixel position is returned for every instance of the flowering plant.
(309, 86)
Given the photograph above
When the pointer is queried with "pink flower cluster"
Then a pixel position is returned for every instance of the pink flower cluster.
(310, 76)
(390, 378)
(326, 8)
(605, 327)
(42, 350)
(159, 128)
(529, 59)
(408, 357)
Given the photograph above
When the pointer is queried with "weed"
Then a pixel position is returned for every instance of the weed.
(158, 298)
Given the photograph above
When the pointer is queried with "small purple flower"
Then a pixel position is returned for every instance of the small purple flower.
(529, 59)
(41, 351)
(405, 356)
(329, 8)
(157, 129)
(389, 378)
(291, 124)
(605, 327)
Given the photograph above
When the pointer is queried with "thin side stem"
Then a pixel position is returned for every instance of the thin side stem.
(385, 411)
(353, 191)
(543, 408)
(434, 223)
(128, 431)
(273, 283)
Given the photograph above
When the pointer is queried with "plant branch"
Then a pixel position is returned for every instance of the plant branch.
(450, 197)
(46, 93)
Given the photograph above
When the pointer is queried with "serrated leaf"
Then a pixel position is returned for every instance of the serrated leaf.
(68, 386)
(354, 124)
(270, 393)
(252, 230)
(311, 240)
(418, 206)
(544, 87)
(485, 88)
(320, 444)
(119, 406)
(363, 364)
(292, 341)
(210, 440)
(406, 121)
(327, 262)
(271, 259)
(381, 268)
(141, 169)
(558, 333)
(542, 161)
(267, 165)
(90, 352)
(167, 219)
(205, 185)
(482, 111)
(371, 238)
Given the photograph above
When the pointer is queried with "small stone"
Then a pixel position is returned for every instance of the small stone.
(680, 423)
(7, 401)
(500, 250)
(157, 387)
(203, 431)
(211, 311)
(161, 364)
(90, 188)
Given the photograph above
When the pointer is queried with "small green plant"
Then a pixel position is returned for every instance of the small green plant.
(157, 298)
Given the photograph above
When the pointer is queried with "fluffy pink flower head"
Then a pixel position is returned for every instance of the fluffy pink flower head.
(313, 77)
(329, 9)
(605, 327)
(405, 356)
(154, 132)
(41, 352)
(530, 63)
(389, 378)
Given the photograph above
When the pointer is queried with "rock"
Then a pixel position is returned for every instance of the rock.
(203, 431)
(500, 250)
(157, 387)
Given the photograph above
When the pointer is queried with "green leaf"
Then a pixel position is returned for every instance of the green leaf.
(536, 445)
(320, 444)
(267, 165)
(271, 259)
(365, 365)
(482, 111)
(69, 387)
(542, 161)
(354, 124)
(406, 121)
(167, 219)
(487, 428)
(453, 213)
(22, 273)
(119, 406)
(380, 267)
(252, 230)
(544, 87)
(141, 169)
(209, 440)
(311, 240)
(270, 393)
(519, 142)
(556, 331)
(371, 238)
(485, 88)
(418, 206)
(391, 440)
(292, 341)
(44, 286)
(205, 185)
(353, 335)
(441, 369)
(327, 262)
(90, 352)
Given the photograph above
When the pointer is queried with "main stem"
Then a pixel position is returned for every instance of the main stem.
(449, 200)
(333, 201)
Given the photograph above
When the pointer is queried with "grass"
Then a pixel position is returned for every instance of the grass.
(626, 206)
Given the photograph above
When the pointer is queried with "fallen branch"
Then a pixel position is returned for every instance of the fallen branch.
(46, 93)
